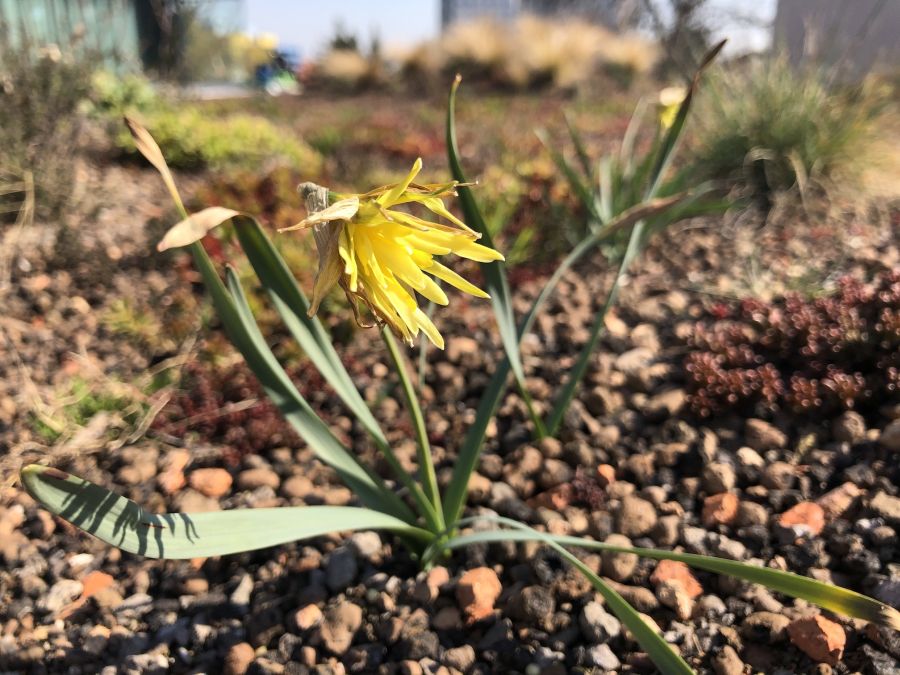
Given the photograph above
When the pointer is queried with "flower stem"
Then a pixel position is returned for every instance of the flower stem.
(423, 447)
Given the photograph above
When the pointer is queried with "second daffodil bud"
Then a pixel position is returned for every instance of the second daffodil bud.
(382, 257)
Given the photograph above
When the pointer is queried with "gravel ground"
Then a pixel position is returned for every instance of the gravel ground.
(815, 496)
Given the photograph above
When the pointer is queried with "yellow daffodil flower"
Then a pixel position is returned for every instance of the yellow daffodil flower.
(382, 256)
(670, 99)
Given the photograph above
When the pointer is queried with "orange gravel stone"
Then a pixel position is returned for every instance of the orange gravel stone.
(720, 509)
(821, 639)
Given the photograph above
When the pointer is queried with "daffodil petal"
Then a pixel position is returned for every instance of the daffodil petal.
(392, 195)
(452, 278)
(429, 329)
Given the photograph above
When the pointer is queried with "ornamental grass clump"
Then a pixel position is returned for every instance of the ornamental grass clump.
(430, 522)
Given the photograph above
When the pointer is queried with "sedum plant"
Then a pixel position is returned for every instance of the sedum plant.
(380, 256)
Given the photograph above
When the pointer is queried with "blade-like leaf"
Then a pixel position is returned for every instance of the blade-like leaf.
(662, 654)
(329, 449)
(244, 334)
(501, 299)
(580, 187)
(494, 272)
(293, 306)
(123, 523)
(834, 598)
(650, 207)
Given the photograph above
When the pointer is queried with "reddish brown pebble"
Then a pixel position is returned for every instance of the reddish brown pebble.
(307, 617)
(720, 509)
(821, 639)
(238, 659)
(211, 482)
(476, 593)
(556, 498)
(837, 501)
(677, 572)
(807, 515)
(606, 475)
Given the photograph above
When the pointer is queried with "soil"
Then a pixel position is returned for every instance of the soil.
(630, 462)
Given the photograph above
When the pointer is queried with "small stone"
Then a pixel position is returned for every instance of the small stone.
(366, 545)
(194, 585)
(213, 483)
(886, 506)
(672, 595)
(59, 595)
(476, 592)
(307, 617)
(677, 572)
(251, 479)
(666, 531)
(849, 428)
(634, 360)
(720, 509)
(618, 566)
(341, 569)
(447, 618)
(459, 346)
(340, 624)
(804, 520)
(598, 625)
(751, 513)
(297, 486)
(602, 657)
(749, 458)
(890, 436)
(769, 627)
(718, 477)
(727, 662)
(760, 435)
(238, 659)
(667, 403)
(479, 488)
(461, 658)
(779, 476)
(835, 503)
(192, 501)
(535, 605)
(819, 638)
(636, 517)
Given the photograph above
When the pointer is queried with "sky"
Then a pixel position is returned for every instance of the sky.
(309, 25)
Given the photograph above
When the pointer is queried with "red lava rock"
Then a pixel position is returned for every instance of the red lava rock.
(720, 509)
(836, 502)
(238, 659)
(807, 515)
(172, 479)
(677, 572)
(819, 638)
(556, 498)
(307, 617)
(606, 475)
(211, 482)
(476, 593)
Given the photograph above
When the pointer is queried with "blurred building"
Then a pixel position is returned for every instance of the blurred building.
(854, 36)
(141, 33)
(612, 13)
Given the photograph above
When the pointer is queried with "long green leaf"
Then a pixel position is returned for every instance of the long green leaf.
(312, 420)
(635, 242)
(662, 654)
(292, 304)
(244, 334)
(494, 272)
(580, 187)
(834, 598)
(123, 523)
